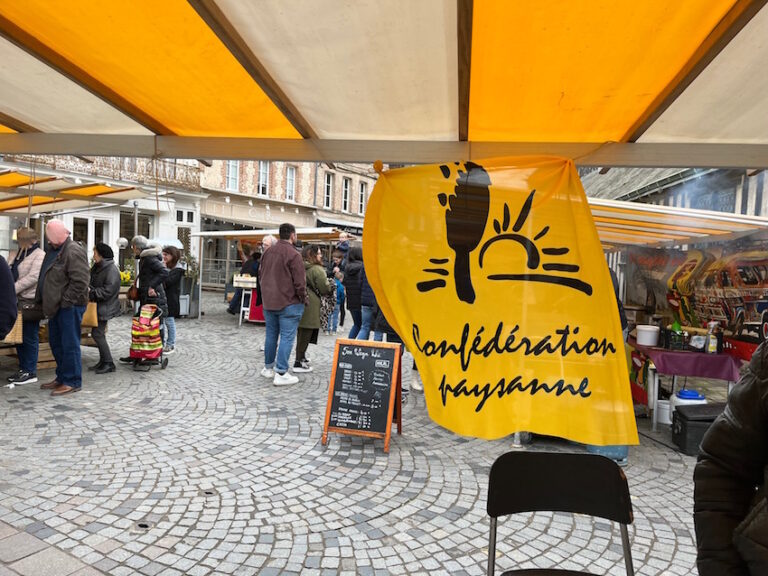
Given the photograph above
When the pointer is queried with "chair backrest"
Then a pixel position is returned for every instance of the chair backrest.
(577, 483)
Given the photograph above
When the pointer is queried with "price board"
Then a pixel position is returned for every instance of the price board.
(365, 393)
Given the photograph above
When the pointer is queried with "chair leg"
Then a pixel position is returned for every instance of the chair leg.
(627, 550)
(492, 548)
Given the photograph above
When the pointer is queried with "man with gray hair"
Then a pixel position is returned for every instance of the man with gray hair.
(267, 241)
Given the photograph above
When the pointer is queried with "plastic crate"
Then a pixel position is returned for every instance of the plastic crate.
(690, 423)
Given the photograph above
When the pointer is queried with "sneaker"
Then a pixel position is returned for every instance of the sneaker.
(14, 376)
(267, 372)
(416, 385)
(23, 378)
(302, 366)
(169, 349)
(285, 379)
(126, 360)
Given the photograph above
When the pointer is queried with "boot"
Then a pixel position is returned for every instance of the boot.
(106, 367)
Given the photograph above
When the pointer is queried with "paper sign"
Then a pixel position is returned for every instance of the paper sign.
(494, 276)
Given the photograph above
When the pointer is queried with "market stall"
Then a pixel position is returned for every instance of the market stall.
(327, 236)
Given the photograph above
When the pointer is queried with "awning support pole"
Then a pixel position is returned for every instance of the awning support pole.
(200, 281)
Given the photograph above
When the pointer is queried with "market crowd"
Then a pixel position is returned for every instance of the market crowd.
(301, 295)
(57, 283)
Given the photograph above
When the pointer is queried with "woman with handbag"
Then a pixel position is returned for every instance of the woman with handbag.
(26, 271)
(104, 291)
(317, 287)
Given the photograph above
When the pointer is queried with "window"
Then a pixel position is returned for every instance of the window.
(290, 183)
(233, 175)
(361, 200)
(346, 185)
(190, 216)
(80, 230)
(100, 231)
(263, 178)
(179, 215)
(327, 197)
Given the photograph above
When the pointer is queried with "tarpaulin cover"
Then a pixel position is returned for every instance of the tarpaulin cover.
(494, 276)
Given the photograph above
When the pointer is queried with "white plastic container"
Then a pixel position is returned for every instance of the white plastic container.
(664, 413)
(647, 335)
(685, 397)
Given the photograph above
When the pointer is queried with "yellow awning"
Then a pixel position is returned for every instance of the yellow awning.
(608, 83)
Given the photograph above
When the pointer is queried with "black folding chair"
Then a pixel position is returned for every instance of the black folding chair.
(543, 481)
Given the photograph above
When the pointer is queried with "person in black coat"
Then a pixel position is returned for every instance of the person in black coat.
(104, 290)
(353, 284)
(730, 495)
(171, 257)
(8, 310)
(152, 274)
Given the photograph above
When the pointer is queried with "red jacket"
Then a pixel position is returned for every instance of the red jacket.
(282, 277)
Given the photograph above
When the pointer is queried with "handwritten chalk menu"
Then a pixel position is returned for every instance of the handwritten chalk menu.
(364, 389)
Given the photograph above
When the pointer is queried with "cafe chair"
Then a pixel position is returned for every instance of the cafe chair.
(543, 481)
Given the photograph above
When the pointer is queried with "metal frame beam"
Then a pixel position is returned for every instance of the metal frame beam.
(642, 155)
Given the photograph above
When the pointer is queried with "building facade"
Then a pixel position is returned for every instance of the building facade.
(251, 195)
(170, 188)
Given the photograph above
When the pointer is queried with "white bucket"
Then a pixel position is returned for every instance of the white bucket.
(676, 401)
(647, 335)
(664, 415)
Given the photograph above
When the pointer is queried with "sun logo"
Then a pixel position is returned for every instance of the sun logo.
(466, 218)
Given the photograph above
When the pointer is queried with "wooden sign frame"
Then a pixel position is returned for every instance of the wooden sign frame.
(395, 396)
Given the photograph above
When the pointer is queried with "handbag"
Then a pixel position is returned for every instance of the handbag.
(15, 336)
(133, 293)
(327, 304)
(31, 311)
(91, 316)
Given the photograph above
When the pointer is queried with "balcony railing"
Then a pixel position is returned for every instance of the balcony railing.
(139, 171)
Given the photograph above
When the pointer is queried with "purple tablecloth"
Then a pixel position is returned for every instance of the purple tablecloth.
(681, 363)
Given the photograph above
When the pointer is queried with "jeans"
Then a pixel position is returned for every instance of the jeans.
(170, 326)
(368, 313)
(357, 321)
(234, 304)
(283, 324)
(378, 336)
(29, 347)
(334, 322)
(99, 335)
(64, 338)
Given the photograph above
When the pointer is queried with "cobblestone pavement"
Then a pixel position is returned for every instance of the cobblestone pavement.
(206, 468)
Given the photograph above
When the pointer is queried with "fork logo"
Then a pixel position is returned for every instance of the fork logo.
(466, 219)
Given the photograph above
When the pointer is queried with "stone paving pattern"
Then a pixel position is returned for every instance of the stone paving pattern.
(228, 475)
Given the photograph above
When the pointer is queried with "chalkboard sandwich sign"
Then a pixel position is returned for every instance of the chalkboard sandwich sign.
(364, 390)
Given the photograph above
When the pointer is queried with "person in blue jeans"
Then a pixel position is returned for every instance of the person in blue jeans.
(284, 292)
(26, 272)
(334, 324)
(64, 279)
(368, 307)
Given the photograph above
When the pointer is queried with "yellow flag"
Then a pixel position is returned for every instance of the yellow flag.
(494, 276)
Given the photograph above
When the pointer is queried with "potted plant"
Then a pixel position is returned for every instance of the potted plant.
(189, 286)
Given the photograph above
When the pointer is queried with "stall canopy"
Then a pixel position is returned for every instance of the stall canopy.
(256, 236)
(633, 223)
(22, 193)
(652, 83)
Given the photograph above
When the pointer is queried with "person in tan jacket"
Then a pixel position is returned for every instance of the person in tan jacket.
(26, 271)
